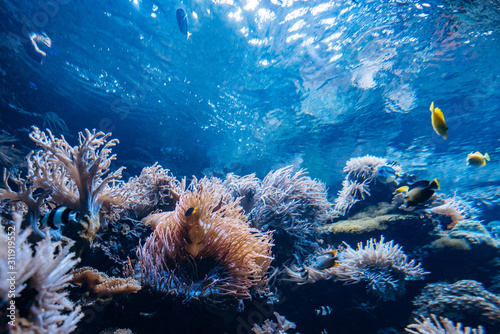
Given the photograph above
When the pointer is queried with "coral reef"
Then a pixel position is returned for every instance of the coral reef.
(360, 173)
(452, 208)
(442, 326)
(25, 194)
(373, 218)
(41, 305)
(245, 187)
(270, 327)
(103, 286)
(76, 177)
(292, 204)
(465, 297)
(155, 189)
(474, 232)
(382, 265)
(205, 250)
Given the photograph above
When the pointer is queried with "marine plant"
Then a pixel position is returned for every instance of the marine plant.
(459, 300)
(271, 327)
(77, 177)
(246, 187)
(382, 265)
(154, 189)
(293, 204)
(360, 173)
(101, 285)
(205, 250)
(42, 275)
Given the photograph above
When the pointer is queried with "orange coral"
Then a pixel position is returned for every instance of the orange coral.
(205, 249)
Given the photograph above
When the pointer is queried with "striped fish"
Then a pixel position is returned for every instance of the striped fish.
(324, 310)
(58, 217)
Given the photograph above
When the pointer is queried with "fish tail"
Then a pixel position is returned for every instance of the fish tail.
(486, 157)
(434, 184)
(188, 34)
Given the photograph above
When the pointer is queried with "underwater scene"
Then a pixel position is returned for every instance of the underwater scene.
(250, 166)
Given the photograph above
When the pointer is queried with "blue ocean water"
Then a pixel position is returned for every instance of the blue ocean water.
(259, 85)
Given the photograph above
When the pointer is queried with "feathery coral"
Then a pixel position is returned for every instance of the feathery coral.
(205, 249)
(293, 203)
(41, 304)
(441, 326)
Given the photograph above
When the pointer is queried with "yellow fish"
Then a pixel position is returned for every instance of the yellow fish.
(477, 159)
(438, 122)
(403, 189)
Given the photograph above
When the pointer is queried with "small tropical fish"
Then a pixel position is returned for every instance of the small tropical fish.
(386, 174)
(421, 191)
(58, 217)
(403, 189)
(477, 159)
(190, 211)
(438, 122)
(327, 260)
(323, 310)
(182, 22)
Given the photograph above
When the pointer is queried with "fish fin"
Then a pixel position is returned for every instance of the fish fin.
(188, 34)
(445, 136)
(434, 184)
(486, 157)
(432, 106)
(335, 264)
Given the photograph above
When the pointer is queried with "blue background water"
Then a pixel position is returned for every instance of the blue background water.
(263, 84)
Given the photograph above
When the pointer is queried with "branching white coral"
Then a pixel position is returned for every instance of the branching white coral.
(77, 177)
(442, 326)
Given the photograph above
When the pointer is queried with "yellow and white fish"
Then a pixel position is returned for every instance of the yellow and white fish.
(477, 159)
(438, 122)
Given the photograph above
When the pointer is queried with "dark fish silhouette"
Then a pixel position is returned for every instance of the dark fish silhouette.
(182, 21)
